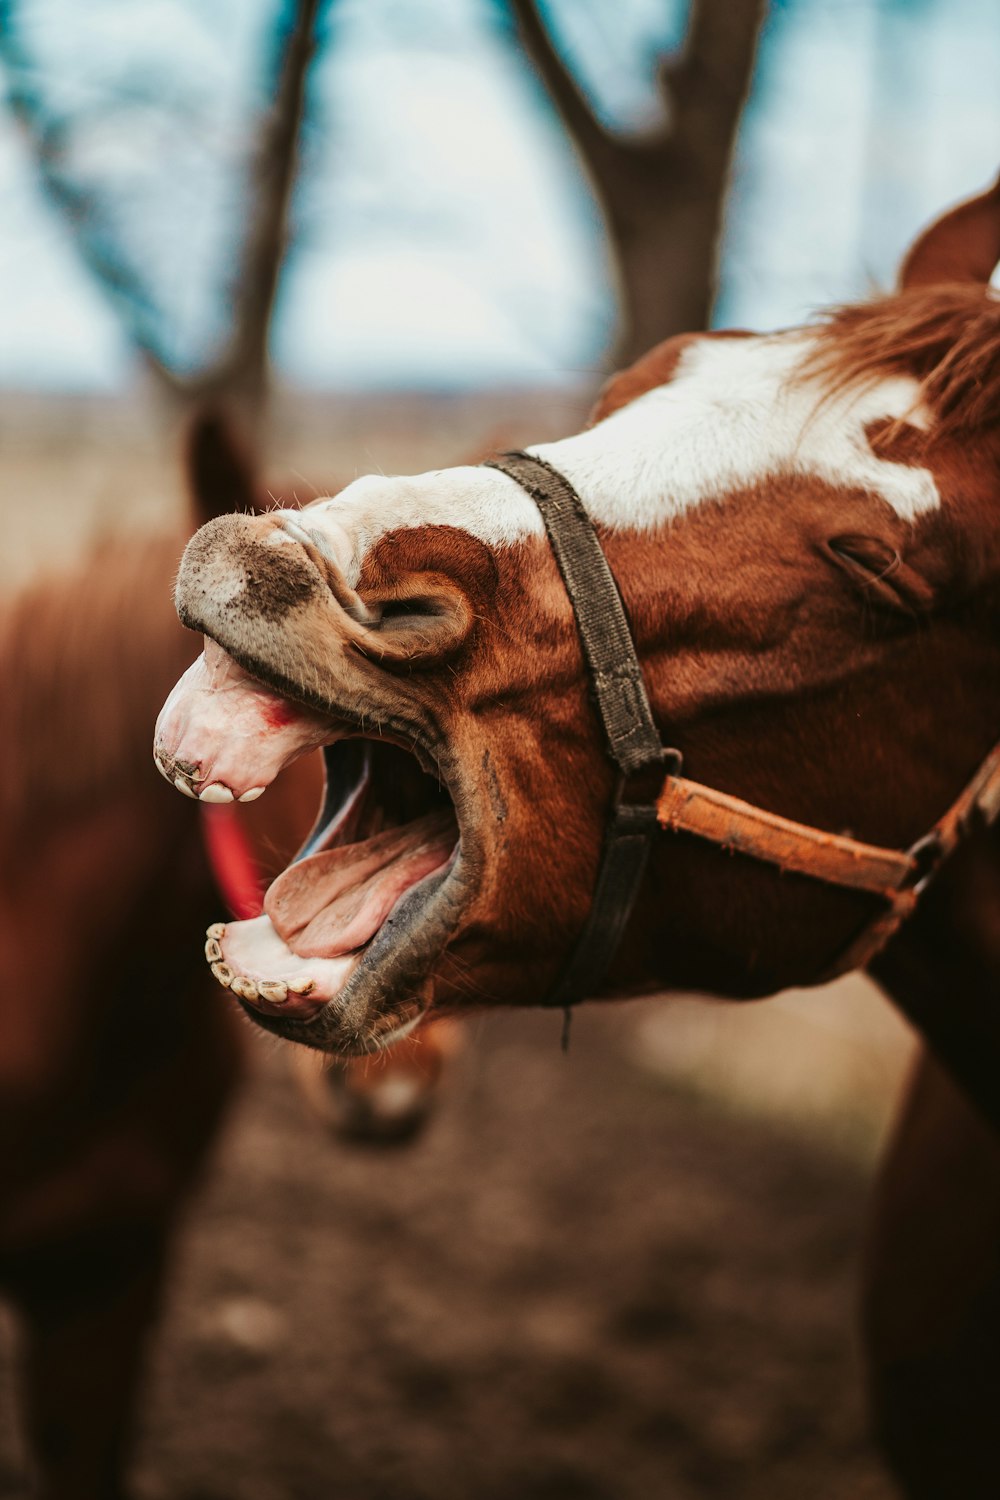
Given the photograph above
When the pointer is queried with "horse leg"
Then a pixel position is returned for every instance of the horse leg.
(932, 1285)
(99, 1162)
(86, 1306)
(383, 1099)
(931, 1300)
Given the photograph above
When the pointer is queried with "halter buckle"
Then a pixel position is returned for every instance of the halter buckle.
(926, 854)
(641, 788)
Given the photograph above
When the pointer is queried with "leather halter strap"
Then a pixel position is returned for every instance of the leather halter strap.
(619, 691)
(634, 746)
(898, 876)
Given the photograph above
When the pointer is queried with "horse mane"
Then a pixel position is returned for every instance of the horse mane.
(87, 654)
(947, 337)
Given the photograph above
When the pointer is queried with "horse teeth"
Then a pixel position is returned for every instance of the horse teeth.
(274, 990)
(213, 952)
(302, 985)
(244, 987)
(217, 931)
(182, 786)
(253, 794)
(223, 974)
(215, 793)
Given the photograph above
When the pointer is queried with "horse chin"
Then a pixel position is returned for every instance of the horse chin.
(340, 958)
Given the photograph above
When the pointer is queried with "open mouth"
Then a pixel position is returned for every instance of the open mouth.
(344, 928)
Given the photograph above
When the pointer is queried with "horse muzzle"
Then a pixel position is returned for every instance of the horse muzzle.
(339, 956)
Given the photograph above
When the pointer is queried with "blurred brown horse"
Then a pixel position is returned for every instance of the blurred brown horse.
(117, 1052)
(116, 1059)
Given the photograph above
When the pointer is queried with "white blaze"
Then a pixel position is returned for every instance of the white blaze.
(736, 414)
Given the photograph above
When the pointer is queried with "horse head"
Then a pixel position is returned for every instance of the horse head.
(803, 530)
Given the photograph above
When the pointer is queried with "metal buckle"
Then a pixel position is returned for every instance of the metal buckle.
(636, 793)
(642, 787)
(926, 854)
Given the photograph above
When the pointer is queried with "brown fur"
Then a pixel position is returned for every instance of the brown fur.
(81, 650)
(106, 1021)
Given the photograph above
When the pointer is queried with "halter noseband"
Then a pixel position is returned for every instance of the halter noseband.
(650, 793)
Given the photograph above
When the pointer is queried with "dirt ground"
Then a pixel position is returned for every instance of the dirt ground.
(580, 1284)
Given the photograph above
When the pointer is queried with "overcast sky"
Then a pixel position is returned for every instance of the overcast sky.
(445, 235)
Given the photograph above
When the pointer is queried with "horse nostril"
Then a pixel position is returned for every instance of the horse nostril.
(182, 774)
(307, 536)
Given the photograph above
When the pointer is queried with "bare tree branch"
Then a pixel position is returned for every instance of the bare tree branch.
(240, 371)
(243, 368)
(560, 85)
(47, 137)
(662, 192)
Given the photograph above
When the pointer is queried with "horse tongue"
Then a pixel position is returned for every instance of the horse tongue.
(335, 901)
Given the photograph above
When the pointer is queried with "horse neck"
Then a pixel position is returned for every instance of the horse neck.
(88, 656)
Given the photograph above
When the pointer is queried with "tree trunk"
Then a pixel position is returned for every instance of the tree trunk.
(663, 193)
(240, 374)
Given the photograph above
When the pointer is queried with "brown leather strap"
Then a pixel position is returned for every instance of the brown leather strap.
(619, 693)
(896, 875)
(615, 674)
(734, 824)
(839, 860)
(872, 938)
(980, 798)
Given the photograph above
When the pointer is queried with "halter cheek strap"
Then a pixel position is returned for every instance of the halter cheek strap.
(632, 740)
(650, 793)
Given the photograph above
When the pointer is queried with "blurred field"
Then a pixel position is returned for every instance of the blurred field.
(626, 1273)
(71, 469)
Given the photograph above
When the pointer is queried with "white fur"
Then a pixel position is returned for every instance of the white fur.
(481, 501)
(736, 414)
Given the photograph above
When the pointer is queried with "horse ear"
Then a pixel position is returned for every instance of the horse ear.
(963, 245)
(220, 475)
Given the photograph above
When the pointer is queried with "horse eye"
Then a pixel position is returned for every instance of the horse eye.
(865, 555)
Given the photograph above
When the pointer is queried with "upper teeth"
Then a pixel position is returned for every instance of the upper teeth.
(216, 793)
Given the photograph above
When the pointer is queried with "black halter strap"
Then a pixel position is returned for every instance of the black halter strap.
(619, 691)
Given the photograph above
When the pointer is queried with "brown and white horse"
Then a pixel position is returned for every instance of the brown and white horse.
(805, 531)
